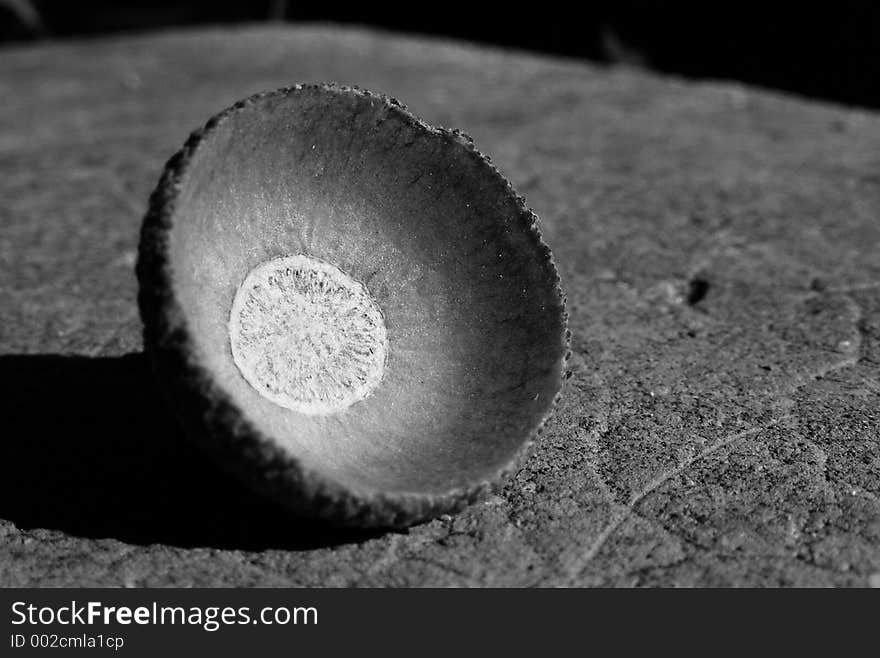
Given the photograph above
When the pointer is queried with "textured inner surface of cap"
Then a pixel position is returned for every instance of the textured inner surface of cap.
(307, 336)
(471, 312)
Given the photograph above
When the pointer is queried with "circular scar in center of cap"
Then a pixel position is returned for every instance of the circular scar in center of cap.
(307, 336)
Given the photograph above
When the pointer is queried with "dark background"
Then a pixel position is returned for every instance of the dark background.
(825, 50)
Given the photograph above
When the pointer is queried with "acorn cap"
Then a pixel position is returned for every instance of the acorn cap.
(349, 309)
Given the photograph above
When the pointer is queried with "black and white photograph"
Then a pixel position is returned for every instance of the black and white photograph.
(300, 296)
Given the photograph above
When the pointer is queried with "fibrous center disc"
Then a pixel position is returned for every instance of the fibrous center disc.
(307, 336)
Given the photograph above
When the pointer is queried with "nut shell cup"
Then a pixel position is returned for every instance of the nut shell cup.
(350, 310)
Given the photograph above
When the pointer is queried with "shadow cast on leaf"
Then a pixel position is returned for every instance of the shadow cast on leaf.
(89, 448)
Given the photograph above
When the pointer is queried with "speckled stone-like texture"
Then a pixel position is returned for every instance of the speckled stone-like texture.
(720, 248)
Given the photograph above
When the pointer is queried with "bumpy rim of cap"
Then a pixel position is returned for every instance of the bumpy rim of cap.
(209, 415)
